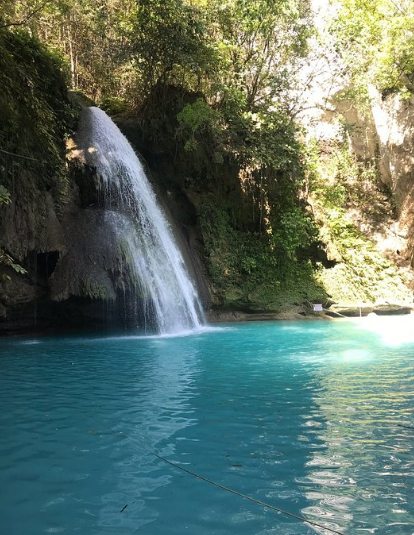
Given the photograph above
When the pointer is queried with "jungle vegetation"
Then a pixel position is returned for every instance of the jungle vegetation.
(232, 73)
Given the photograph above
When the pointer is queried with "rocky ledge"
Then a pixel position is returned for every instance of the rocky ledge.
(307, 312)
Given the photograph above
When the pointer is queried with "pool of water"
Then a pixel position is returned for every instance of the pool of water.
(313, 418)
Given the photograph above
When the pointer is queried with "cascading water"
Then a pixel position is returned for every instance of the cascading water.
(167, 295)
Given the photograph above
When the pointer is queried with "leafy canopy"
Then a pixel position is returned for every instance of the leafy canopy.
(375, 39)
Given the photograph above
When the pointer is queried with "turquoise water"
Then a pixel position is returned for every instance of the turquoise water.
(315, 418)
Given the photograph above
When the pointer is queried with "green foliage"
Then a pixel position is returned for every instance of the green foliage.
(249, 52)
(169, 43)
(247, 270)
(34, 121)
(5, 259)
(258, 44)
(33, 100)
(262, 145)
(125, 48)
(340, 181)
(295, 231)
(195, 119)
(242, 121)
(375, 39)
(340, 185)
(363, 274)
(113, 105)
(4, 196)
(90, 34)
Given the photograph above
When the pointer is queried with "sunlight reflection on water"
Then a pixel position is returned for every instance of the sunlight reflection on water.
(315, 418)
(393, 331)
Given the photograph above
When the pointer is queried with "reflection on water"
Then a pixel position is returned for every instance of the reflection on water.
(393, 331)
(308, 417)
(366, 471)
(159, 399)
(79, 419)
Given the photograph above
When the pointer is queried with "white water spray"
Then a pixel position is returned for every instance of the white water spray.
(167, 294)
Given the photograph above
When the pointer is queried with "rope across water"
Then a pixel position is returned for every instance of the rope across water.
(216, 484)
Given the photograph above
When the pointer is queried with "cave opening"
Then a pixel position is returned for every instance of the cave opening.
(40, 266)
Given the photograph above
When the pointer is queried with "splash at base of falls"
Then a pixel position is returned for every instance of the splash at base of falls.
(162, 288)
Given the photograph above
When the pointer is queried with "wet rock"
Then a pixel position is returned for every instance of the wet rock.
(352, 310)
(392, 309)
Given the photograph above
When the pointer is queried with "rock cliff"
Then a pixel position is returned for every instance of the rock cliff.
(78, 272)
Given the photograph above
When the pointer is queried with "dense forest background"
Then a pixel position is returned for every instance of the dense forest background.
(220, 98)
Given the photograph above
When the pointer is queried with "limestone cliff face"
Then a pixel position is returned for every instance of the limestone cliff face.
(78, 271)
(69, 252)
(381, 137)
(387, 134)
(393, 119)
(33, 234)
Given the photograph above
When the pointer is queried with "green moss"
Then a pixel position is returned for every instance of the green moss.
(93, 290)
(35, 114)
(113, 105)
(364, 274)
(248, 271)
(340, 186)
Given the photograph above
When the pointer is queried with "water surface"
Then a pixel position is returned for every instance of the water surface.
(312, 418)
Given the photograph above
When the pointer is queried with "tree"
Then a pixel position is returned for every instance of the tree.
(237, 59)
(90, 34)
(375, 40)
(257, 46)
(171, 44)
(259, 42)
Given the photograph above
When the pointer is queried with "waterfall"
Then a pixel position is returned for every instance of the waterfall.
(166, 293)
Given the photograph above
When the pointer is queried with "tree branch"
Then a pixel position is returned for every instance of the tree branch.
(19, 156)
(26, 19)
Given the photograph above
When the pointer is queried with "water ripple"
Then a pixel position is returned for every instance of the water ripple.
(315, 419)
